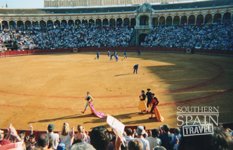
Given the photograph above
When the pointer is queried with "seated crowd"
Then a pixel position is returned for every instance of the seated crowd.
(68, 36)
(100, 138)
(215, 36)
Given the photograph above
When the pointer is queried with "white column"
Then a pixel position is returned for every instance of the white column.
(222, 17)
(172, 19)
(150, 21)
(204, 19)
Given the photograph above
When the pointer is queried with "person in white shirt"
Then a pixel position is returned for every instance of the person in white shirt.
(153, 139)
(129, 135)
(53, 137)
(140, 132)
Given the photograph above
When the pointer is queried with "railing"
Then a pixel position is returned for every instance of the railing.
(105, 49)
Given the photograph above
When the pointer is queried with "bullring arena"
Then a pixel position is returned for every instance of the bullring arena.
(52, 57)
(43, 89)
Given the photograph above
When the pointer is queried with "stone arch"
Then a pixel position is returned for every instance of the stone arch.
(217, 18)
(183, 20)
(50, 24)
(191, 20)
(98, 22)
(227, 17)
(119, 22)
(84, 21)
(126, 22)
(12, 24)
(63, 23)
(208, 19)
(162, 20)
(91, 22)
(43, 24)
(77, 22)
(200, 19)
(112, 22)
(57, 23)
(5, 25)
(71, 22)
(176, 20)
(35, 24)
(28, 25)
(20, 25)
(105, 22)
(169, 20)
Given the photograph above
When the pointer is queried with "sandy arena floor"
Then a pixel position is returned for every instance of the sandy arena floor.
(43, 89)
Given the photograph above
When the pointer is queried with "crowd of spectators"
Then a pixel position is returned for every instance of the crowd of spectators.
(100, 138)
(68, 36)
(208, 36)
(16, 39)
(82, 36)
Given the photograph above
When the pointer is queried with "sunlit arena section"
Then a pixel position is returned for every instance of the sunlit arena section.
(161, 67)
(52, 88)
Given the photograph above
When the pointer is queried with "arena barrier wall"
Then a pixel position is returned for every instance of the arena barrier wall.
(118, 49)
(37, 133)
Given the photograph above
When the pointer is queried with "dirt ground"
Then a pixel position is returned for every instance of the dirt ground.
(43, 89)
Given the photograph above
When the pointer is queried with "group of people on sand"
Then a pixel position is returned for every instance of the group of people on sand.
(148, 104)
(112, 54)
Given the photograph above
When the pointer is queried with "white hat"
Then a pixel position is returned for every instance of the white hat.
(140, 130)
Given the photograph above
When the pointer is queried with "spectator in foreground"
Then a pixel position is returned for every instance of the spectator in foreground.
(176, 139)
(61, 146)
(100, 138)
(81, 132)
(53, 137)
(159, 148)
(31, 142)
(166, 137)
(42, 142)
(66, 135)
(81, 144)
(129, 135)
(135, 144)
(2, 140)
(154, 140)
(140, 132)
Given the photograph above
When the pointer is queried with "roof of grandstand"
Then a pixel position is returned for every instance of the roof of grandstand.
(200, 4)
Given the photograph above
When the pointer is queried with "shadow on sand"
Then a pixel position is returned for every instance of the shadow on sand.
(123, 74)
(75, 116)
(120, 117)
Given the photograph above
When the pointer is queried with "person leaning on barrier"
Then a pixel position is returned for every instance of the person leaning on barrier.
(42, 142)
(3, 141)
(135, 144)
(53, 137)
(101, 138)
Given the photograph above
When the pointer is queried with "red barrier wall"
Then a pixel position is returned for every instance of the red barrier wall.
(105, 49)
